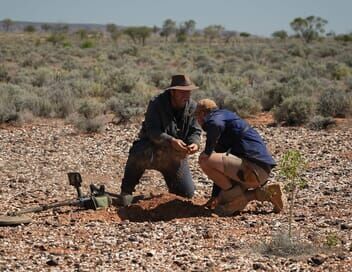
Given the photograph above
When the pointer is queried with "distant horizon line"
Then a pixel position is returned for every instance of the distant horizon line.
(125, 26)
(288, 31)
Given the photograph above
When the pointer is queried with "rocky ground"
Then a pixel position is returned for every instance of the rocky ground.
(165, 232)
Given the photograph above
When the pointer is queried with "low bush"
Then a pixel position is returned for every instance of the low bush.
(62, 100)
(8, 112)
(4, 75)
(41, 77)
(294, 110)
(88, 125)
(319, 122)
(87, 44)
(335, 103)
(127, 106)
(338, 71)
(90, 108)
(273, 97)
(244, 106)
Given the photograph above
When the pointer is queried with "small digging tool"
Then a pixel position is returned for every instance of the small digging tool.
(97, 198)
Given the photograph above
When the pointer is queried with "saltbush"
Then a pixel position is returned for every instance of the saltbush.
(273, 97)
(87, 44)
(244, 106)
(90, 108)
(88, 125)
(294, 110)
(62, 100)
(335, 103)
(4, 75)
(319, 122)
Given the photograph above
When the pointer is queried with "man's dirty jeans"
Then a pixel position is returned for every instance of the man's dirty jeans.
(175, 170)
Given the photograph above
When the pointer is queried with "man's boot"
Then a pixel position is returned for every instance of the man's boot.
(231, 201)
(271, 193)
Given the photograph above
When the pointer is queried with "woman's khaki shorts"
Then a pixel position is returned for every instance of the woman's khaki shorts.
(247, 173)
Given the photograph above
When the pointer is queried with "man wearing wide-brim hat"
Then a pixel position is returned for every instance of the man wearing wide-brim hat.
(168, 135)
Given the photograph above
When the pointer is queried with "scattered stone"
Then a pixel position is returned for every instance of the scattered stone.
(345, 226)
(172, 232)
(257, 266)
(317, 260)
(52, 262)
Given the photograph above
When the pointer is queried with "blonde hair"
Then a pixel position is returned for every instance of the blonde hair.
(205, 106)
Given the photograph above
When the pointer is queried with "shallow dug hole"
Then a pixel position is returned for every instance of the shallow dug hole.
(163, 207)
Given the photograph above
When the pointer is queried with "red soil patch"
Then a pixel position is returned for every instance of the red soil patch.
(164, 207)
(85, 216)
(347, 155)
(264, 118)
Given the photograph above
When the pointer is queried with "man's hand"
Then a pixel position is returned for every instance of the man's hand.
(179, 145)
(202, 157)
(192, 148)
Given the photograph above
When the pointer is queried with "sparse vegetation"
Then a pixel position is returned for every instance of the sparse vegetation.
(332, 239)
(246, 75)
(282, 245)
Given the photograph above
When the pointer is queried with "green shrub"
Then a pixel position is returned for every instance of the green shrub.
(127, 106)
(219, 96)
(338, 70)
(244, 106)
(119, 81)
(62, 100)
(319, 122)
(88, 125)
(8, 112)
(10, 102)
(4, 75)
(205, 63)
(41, 77)
(33, 60)
(57, 38)
(327, 52)
(273, 97)
(297, 50)
(332, 240)
(294, 110)
(131, 50)
(87, 44)
(90, 108)
(335, 103)
(160, 78)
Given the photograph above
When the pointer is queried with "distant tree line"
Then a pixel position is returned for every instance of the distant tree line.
(308, 29)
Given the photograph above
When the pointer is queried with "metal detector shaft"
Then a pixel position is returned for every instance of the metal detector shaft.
(72, 202)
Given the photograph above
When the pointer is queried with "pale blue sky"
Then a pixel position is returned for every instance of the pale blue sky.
(261, 17)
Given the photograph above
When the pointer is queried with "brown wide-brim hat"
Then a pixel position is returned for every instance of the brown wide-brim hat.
(182, 82)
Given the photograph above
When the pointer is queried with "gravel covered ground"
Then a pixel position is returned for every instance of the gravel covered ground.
(165, 232)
